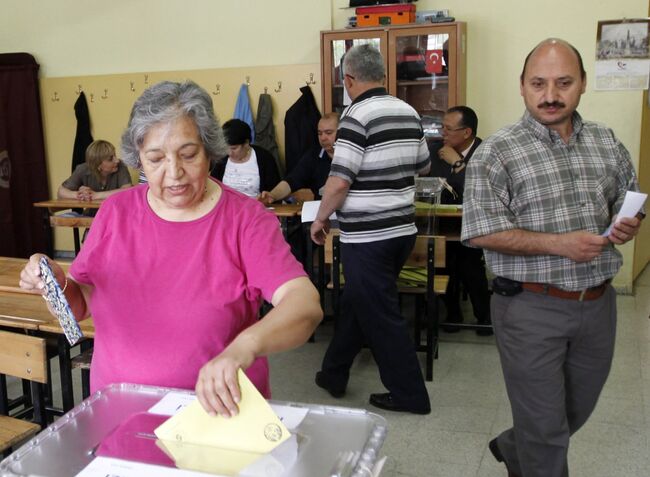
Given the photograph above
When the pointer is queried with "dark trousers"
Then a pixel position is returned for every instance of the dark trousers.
(555, 355)
(371, 315)
(465, 265)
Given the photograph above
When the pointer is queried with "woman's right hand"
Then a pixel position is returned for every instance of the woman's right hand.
(30, 276)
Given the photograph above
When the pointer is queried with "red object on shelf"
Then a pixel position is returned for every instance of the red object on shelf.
(385, 15)
(433, 61)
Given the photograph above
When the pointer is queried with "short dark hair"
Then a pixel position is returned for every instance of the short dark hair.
(583, 73)
(468, 118)
(236, 132)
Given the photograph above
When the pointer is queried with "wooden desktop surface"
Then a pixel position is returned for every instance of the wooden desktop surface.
(62, 204)
(24, 311)
(10, 269)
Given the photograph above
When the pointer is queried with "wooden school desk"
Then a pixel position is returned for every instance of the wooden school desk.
(50, 207)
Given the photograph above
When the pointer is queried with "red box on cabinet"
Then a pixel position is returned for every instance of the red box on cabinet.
(385, 15)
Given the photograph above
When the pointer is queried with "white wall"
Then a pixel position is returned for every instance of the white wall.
(88, 37)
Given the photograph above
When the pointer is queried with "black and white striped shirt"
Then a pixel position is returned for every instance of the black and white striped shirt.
(379, 149)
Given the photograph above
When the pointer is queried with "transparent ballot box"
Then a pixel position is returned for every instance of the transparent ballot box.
(111, 433)
(427, 199)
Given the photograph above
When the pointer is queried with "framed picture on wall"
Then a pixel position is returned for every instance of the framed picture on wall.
(622, 54)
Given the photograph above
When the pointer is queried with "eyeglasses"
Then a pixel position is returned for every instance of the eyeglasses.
(448, 129)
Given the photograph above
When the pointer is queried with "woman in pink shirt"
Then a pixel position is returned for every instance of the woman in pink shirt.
(174, 271)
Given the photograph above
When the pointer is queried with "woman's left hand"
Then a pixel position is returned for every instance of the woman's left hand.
(217, 387)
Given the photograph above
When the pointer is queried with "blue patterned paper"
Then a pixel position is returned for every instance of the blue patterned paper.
(55, 297)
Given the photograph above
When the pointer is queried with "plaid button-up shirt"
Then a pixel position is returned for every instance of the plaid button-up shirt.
(525, 177)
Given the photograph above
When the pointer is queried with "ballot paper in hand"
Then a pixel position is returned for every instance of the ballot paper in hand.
(632, 204)
(256, 429)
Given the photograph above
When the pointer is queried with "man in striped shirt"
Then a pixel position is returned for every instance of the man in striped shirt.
(380, 147)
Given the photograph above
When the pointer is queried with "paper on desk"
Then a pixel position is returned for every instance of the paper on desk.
(255, 429)
(107, 466)
(310, 209)
(632, 204)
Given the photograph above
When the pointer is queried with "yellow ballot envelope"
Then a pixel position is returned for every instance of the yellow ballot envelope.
(256, 429)
(207, 459)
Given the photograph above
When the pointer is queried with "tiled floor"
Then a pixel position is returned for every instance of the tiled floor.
(469, 403)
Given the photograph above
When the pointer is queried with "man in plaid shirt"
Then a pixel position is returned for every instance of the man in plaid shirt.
(538, 197)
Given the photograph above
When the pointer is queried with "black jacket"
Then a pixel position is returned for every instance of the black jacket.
(440, 168)
(300, 128)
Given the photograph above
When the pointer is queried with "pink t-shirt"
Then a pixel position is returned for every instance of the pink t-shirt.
(170, 296)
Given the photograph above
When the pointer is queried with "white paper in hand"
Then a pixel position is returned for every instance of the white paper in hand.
(632, 204)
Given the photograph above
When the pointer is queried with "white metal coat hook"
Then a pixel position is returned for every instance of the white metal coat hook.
(248, 81)
(311, 79)
(217, 89)
(79, 89)
(279, 88)
(105, 95)
(146, 79)
(132, 85)
(92, 98)
(55, 97)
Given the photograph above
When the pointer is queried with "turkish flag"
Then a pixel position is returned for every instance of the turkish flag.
(433, 61)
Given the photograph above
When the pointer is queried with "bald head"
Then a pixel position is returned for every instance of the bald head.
(549, 43)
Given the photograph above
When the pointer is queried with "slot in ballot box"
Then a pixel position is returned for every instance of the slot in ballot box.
(110, 433)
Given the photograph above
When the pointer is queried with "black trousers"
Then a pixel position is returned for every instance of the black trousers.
(465, 265)
(371, 315)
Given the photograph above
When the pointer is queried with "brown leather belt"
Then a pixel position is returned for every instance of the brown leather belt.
(592, 293)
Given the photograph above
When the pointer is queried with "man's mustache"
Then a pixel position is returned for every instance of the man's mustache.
(553, 104)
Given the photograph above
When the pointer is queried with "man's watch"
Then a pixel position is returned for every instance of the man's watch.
(458, 163)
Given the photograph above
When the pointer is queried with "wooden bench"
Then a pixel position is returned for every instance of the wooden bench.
(24, 357)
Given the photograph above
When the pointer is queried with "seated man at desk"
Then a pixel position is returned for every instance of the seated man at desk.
(313, 168)
(102, 175)
(465, 264)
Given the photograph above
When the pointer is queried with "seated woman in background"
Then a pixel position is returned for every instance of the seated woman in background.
(102, 175)
(249, 169)
(177, 268)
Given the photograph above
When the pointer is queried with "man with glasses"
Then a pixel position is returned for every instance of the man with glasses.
(465, 264)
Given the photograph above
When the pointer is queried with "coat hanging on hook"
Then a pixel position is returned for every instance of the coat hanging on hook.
(243, 110)
(265, 129)
(83, 137)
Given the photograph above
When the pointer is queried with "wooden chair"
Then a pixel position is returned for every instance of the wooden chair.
(425, 261)
(24, 357)
(421, 276)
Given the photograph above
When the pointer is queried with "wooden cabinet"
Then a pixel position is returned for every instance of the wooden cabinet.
(425, 66)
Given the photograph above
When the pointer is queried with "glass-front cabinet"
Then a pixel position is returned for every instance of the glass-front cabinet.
(425, 65)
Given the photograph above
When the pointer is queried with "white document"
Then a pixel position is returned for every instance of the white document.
(310, 209)
(171, 403)
(107, 466)
(290, 416)
(632, 204)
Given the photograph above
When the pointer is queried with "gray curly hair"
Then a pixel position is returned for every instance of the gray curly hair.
(165, 102)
